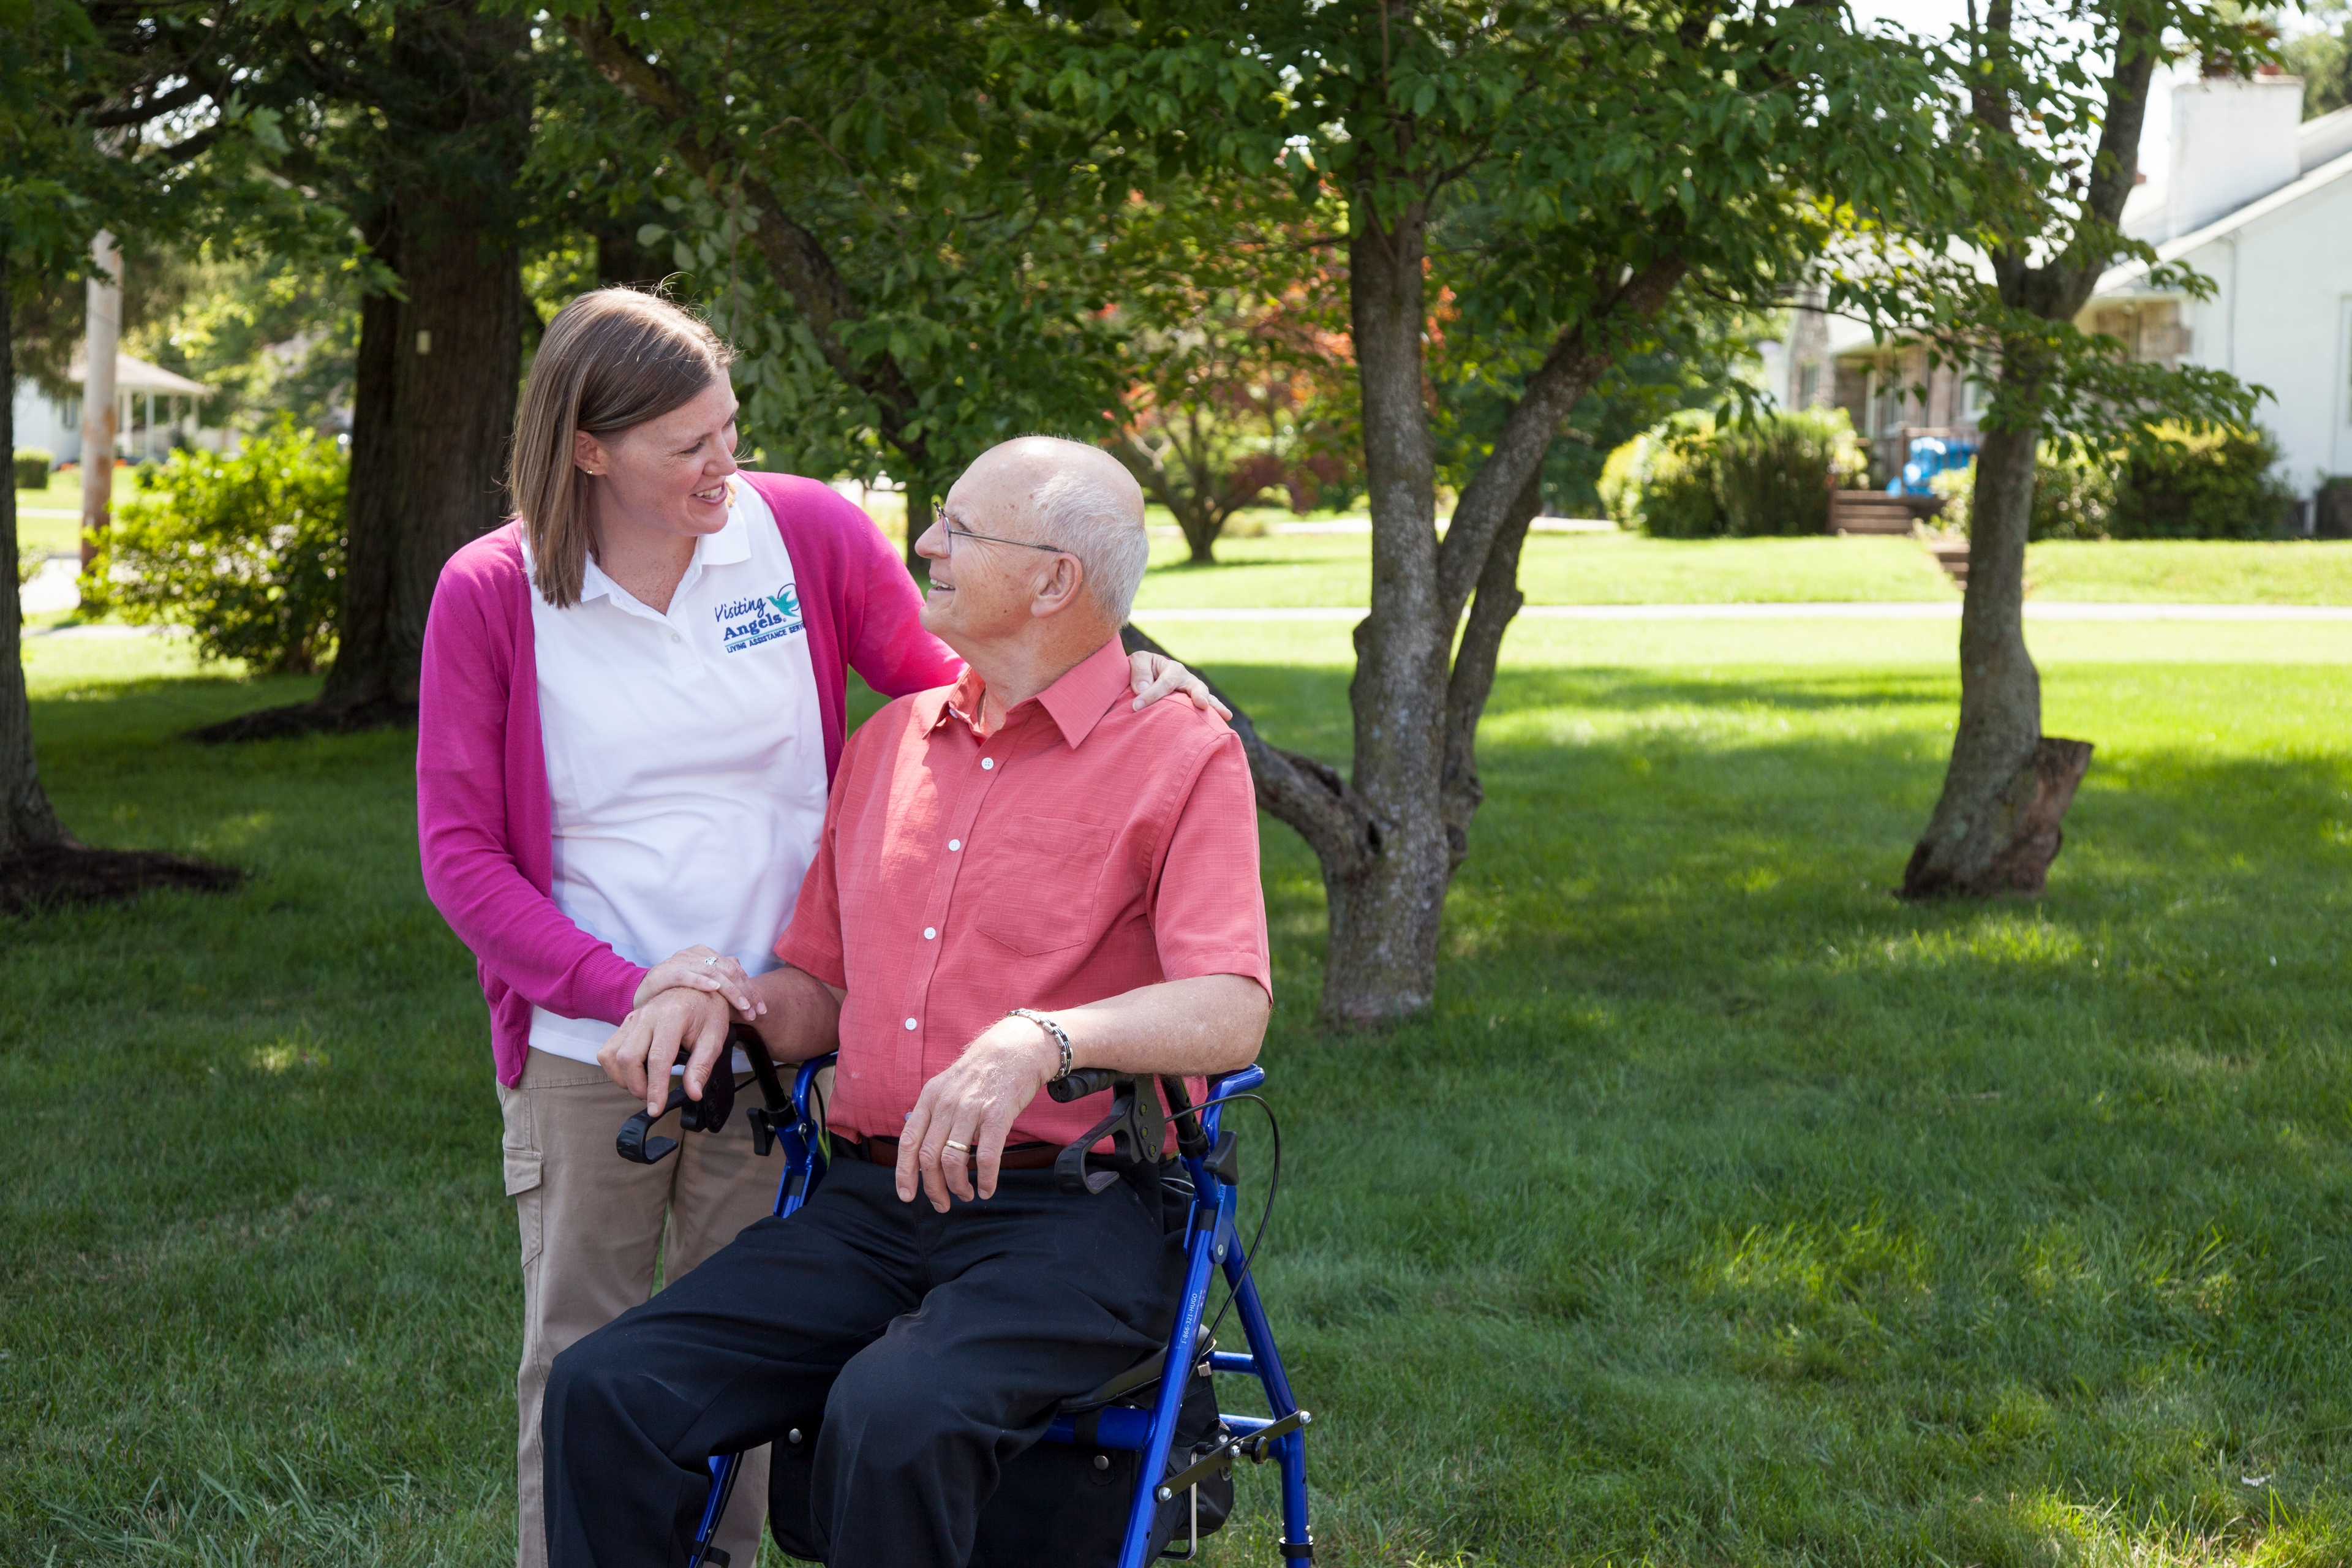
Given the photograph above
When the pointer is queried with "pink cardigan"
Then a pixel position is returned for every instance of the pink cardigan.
(484, 819)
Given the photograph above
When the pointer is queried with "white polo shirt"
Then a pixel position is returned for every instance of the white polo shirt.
(686, 757)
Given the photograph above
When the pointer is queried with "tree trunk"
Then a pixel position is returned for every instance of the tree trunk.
(1995, 830)
(101, 342)
(1389, 838)
(364, 624)
(434, 401)
(1491, 613)
(919, 511)
(1202, 525)
(1382, 964)
(26, 819)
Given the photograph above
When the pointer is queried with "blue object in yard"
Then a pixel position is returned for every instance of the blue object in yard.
(1930, 456)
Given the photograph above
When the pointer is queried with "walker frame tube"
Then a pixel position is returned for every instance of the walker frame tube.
(1213, 1241)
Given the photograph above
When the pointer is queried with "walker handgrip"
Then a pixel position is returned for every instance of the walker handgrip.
(1083, 1082)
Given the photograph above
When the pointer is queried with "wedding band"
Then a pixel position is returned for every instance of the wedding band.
(959, 1148)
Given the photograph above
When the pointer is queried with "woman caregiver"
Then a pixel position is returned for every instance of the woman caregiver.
(631, 703)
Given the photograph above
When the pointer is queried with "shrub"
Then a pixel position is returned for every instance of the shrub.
(33, 468)
(245, 550)
(2072, 493)
(1689, 479)
(1678, 495)
(2215, 483)
(1620, 485)
(1775, 476)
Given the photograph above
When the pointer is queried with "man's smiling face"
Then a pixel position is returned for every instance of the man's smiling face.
(982, 590)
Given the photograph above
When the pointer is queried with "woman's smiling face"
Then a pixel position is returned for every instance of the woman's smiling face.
(668, 475)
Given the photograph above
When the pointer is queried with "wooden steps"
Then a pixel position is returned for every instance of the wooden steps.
(1875, 511)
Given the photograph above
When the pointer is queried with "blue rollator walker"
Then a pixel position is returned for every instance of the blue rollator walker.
(1137, 1411)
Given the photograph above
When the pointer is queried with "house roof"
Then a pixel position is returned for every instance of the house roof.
(2122, 279)
(137, 376)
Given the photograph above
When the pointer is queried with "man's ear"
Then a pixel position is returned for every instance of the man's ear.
(1059, 587)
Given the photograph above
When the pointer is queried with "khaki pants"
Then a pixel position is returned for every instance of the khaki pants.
(593, 1225)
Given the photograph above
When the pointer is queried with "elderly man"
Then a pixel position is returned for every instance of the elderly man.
(1019, 875)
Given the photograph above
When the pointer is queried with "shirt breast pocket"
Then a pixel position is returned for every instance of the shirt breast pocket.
(1035, 885)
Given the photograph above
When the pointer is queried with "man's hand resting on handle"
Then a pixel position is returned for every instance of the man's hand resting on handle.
(1181, 1028)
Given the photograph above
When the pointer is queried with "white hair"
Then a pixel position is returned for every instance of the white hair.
(1098, 519)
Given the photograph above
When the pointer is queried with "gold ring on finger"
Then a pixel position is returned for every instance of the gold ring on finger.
(959, 1148)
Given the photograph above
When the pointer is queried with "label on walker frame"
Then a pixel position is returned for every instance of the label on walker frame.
(748, 623)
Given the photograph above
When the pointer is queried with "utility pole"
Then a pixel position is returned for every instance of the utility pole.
(102, 340)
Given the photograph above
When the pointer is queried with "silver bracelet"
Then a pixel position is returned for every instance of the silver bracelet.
(1054, 1031)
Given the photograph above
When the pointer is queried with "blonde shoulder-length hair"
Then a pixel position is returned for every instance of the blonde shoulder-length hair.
(610, 360)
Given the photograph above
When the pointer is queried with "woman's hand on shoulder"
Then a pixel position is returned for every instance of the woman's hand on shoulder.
(1155, 676)
(680, 1021)
(701, 968)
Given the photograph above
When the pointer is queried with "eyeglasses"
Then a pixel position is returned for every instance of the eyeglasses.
(954, 533)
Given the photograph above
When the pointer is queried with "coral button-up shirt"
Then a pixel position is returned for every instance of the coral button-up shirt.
(1080, 850)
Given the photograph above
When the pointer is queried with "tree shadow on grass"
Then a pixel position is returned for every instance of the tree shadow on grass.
(1725, 1209)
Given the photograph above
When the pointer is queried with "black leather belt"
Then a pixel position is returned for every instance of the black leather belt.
(885, 1151)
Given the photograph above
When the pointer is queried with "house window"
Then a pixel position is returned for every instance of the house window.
(1884, 406)
(1978, 381)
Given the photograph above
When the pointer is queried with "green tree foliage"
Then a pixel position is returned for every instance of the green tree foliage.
(244, 551)
(269, 333)
(110, 119)
(1539, 183)
(905, 239)
(2322, 57)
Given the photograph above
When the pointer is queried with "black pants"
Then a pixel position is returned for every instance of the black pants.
(925, 1349)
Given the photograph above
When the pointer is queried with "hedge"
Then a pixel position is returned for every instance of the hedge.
(245, 551)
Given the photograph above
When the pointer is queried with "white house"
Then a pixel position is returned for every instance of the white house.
(2235, 182)
(156, 411)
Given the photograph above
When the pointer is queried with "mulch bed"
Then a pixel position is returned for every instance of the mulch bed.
(71, 874)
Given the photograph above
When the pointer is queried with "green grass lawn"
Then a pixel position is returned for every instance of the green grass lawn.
(1303, 570)
(50, 519)
(1725, 1211)
(2295, 572)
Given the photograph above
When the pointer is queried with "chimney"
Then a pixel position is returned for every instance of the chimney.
(2233, 140)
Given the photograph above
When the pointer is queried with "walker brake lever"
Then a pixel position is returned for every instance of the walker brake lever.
(707, 1114)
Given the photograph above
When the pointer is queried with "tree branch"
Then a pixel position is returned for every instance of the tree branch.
(1473, 677)
(795, 257)
(1565, 374)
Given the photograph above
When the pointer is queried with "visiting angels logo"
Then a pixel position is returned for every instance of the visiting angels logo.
(748, 623)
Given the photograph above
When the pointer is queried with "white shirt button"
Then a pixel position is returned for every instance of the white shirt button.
(910, 1023)
(954, 845)
(674, 637)
(986, 764)
(930, 933)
